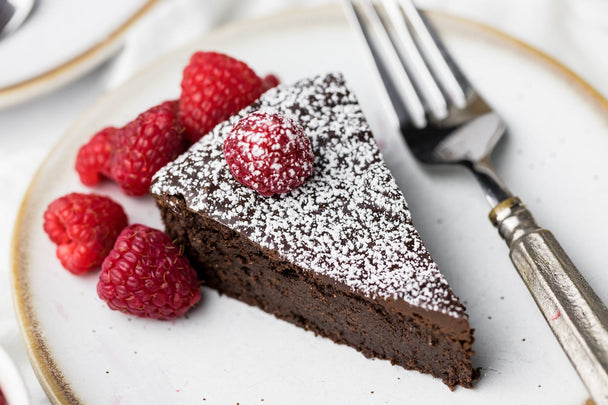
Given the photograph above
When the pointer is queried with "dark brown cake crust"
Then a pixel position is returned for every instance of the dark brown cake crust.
(411, 337)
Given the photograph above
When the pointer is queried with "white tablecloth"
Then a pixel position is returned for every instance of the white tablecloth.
(573, 31)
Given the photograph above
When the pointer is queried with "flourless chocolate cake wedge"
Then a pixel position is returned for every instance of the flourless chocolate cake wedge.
(339, 255)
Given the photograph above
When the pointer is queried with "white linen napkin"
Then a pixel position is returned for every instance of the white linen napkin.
(575, 32)
(174, 23)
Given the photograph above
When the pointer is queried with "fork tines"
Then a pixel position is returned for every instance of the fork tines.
(417, 72)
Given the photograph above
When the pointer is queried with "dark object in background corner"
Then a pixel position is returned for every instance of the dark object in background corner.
(6, 13)
(13, 14)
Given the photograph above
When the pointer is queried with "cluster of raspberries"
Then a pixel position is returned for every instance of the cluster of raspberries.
(214, 87)
(143, 272)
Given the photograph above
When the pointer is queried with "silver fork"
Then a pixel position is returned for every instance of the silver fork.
(445, 121)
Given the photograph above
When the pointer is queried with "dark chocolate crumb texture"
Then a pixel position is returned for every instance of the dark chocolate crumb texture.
(339, 255)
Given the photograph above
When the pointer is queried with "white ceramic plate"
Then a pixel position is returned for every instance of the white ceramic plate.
(72, 37)
(227, 352)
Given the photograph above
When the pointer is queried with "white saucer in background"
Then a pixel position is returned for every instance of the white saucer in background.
(60, 41)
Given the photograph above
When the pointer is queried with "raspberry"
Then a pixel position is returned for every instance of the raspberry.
(269, 81)
(268, 153)
(214, 86)
(84, 228)
(93, 159)
(146, 275)
(145, 145)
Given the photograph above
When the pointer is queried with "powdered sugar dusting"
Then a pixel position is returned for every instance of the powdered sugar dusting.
(268, 153)
(348, 221)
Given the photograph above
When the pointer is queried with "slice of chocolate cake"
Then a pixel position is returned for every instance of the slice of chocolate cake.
(339, 255)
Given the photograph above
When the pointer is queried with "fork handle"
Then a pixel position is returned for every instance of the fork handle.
(575, 313)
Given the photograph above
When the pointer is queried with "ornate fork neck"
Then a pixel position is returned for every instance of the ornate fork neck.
(467, 140)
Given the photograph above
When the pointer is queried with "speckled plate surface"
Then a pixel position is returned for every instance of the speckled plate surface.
(226, 352)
